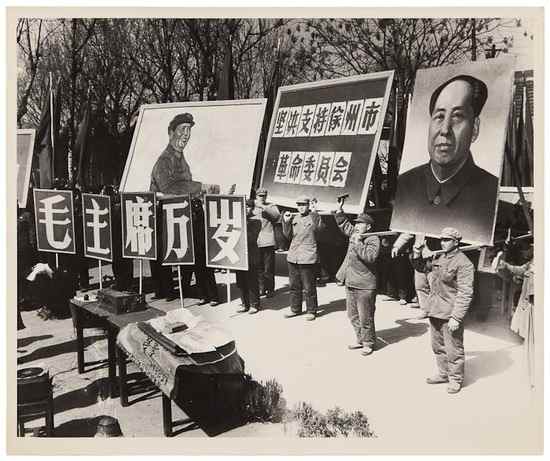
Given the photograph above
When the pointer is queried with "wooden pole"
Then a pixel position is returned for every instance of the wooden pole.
(228, 283)
(57, 260)
(180, 287)
(140, 276)
(100, 276)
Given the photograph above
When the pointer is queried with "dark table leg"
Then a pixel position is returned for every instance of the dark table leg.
(80, 349)
(122, 377)
(167, 416)
(112, 359)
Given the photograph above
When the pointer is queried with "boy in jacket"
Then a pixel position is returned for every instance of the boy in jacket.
(358, 273)
(451, 292)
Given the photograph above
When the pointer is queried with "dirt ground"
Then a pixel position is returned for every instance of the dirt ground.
(312, 363)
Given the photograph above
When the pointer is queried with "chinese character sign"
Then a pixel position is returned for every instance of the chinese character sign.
(139, 237)
(54, 218)
(226, 241)
(177, 231)
(96, 218)
(323, 140)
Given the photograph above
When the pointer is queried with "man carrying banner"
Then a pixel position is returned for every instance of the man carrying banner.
(268, 214)
(302, 230)
(358, 272)
(451, 292)
(247, 281)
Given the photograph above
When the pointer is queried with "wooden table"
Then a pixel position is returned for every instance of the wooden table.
(90, 314)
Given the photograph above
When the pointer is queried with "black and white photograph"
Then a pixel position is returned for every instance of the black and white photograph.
(251, 231)
(457, 130)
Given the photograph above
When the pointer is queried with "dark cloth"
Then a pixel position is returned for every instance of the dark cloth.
(171, 174)
(448, 348)
(451, 280)
(266, 269)
(404, 277)
(423, 205)
(358, 269)
(303, 231)
(123, 268)
(161, 275)
(360, 306)
(78, 262)
(302, 284)
(26, 254)
(247, 281)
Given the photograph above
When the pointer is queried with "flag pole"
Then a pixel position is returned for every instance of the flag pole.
(228, 283)
(180, 286)
(100, 276)
(140, 275)
(57, 260)
(52, 137)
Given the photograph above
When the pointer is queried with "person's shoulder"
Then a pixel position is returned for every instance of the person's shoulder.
(483, 177)
(413, 174)
(463, 260)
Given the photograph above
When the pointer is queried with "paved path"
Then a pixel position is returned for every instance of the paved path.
(312, 363)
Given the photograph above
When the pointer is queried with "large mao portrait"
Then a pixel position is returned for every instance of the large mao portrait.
(194, 147)
(454, 149)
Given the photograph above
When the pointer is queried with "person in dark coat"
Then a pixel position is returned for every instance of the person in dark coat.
(26, 258)
(302, 230)
(358, 272)
(205, 277)
(247, 281)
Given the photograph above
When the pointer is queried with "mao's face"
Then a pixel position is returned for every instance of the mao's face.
(180, 136)
(453, 127)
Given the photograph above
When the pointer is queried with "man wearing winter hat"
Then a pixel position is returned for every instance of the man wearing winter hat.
(302, 230)
(358, 272)
(171, 173)
(451, 292)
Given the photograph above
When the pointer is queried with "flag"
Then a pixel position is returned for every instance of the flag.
(226, 86)
(46, 138)
(81, 144)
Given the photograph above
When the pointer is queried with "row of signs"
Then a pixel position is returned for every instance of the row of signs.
(225, 227)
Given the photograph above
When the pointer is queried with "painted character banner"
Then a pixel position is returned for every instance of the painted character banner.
(177, 231)
(139, 235)
(454, 150)
(54, 218)
(96, 218)
(323, 140)
(226, 240)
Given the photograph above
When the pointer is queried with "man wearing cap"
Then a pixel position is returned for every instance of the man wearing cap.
(302, 230)
(450, 187)
(268, 214)
(358, 272)
(451, 292)
(171, 173)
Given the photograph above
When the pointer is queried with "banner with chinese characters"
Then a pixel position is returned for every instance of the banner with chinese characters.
(54, 218)
(323, 140)
(139, 236)
(225, 223)
(177, 231)
(96, 219)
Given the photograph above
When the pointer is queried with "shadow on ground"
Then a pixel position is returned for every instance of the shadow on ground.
(405, 330)
(83, 397)
(24, 342)
(483, 364)
(56, 349)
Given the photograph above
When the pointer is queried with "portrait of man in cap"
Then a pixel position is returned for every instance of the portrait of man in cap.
(450, 187)
(171, 173)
